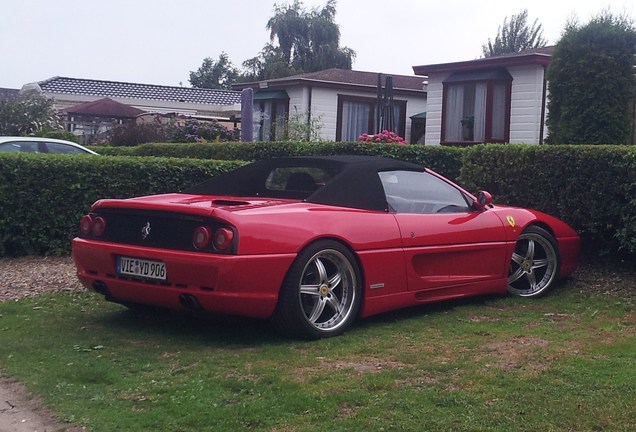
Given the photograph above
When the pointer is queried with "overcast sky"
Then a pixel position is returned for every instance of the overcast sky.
(161, 41)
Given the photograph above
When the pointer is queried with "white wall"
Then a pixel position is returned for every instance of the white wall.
(434, 114)
(526, 103)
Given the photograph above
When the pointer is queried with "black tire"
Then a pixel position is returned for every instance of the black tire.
(534, 266)
(321, 294)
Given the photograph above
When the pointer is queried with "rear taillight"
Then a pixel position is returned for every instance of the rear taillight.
(92, 226)
(201, 237)
(86, 225)
(99, 226)
(223, 238)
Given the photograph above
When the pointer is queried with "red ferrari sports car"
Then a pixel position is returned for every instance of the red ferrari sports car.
(315, 242)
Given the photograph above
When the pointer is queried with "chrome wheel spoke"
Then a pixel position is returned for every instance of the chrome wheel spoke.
(517, 258)
(333, 301)
(322, 271)
(532, 281)
(310, 289)
(530, 251)
(319, 307)
(335, 280)
(540, 263)
(516, 275)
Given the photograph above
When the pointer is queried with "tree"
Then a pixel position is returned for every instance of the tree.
(27, 114)
(215, 75)
(591, 82)
(270, 63)
(308, 41)
(515, 36)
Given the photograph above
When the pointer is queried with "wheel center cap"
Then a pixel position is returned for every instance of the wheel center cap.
(324, 290)
(526, 265)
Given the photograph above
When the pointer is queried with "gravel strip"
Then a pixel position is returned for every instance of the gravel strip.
(31, 276)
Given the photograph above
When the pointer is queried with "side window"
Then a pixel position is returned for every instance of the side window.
(297, 180)
(421, 193)
(10, 147)
(476, 107)
(20, 146)
(61, 148)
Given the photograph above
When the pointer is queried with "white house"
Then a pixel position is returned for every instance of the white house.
(489, 100)
(342, 102)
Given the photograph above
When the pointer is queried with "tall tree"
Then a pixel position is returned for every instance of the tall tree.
(515, 36)
(270, 63)
(220, 74)
(29, 113)
(591, 82)
(308, 41)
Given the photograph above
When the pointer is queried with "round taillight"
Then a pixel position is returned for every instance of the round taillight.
(99, 226)
(201, 237)
(223, 238)
(86, 225)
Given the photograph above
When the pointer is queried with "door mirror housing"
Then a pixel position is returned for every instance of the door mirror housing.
(483, 200)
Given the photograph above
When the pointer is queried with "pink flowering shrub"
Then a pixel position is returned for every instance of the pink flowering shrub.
(384, 137)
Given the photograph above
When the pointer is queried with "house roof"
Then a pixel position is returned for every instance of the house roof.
(8, 93)
(111, 89)
(340, 78)
(538, 56)
(105, 108)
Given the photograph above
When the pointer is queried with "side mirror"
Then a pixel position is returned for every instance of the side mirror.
(483, 199)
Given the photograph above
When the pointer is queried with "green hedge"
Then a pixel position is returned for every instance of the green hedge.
(445, 160)
(593, 188)
(44, 196)
(590, 187)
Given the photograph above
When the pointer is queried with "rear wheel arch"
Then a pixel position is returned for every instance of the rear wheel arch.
(344, 244)
(314, 315)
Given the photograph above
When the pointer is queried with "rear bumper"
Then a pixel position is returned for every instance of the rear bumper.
(228, 284)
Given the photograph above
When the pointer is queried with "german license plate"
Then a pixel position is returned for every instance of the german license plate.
(141, 268)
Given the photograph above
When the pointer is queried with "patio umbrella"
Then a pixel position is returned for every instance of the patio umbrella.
(385, 117)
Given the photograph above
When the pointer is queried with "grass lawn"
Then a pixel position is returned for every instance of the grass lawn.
(565, 362)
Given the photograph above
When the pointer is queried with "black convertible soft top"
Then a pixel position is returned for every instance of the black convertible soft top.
(354, 180)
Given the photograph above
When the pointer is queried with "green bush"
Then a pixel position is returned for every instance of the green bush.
(587, 186)
(132, 134)
(193, 130)
(58, 134)
(44, 196)
(593, 188)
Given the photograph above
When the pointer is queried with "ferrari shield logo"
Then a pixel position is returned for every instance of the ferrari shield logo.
(511, 221)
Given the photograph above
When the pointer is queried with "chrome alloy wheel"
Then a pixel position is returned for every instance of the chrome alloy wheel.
(534, 265)
(328, 289)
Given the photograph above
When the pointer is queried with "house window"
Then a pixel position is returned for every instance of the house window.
(476, 107)
(357, 115)
(271, 110)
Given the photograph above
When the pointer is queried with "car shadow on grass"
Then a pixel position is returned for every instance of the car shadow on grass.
(213, 329)
(222, 330)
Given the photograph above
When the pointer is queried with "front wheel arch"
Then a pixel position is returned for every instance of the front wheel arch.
(535, 262)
